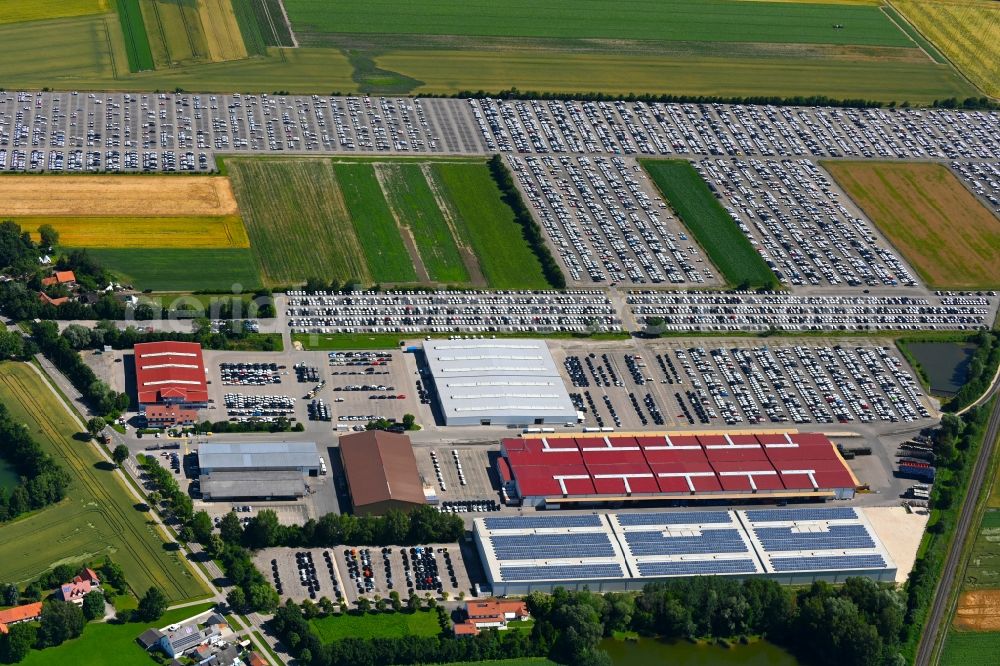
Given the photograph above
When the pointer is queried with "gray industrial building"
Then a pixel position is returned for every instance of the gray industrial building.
(498, 382)
(262, 470)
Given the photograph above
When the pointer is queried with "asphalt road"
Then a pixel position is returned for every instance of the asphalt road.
(929, 650)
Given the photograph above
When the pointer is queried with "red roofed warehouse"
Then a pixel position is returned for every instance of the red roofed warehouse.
(170, 373)
(556, 469)
(17, 614)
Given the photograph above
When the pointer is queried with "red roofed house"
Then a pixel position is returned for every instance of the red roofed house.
(45, 298)
(168, 416)
(19, 614)
(170, 373)
(80, 586)
(490, 614)
(67, 278)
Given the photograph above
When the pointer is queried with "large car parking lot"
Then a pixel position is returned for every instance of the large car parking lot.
(718, 382)
(750, 311)
(446, 311)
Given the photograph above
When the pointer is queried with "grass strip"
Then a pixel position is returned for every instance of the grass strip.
(713, 228)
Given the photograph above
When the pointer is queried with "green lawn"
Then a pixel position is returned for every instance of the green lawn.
(382, 625)
(488, 223)
(709, 223)
(971, 648)
(374, 223)
(182, 270)
(413, 202)
(681, 20)
(98, 516)
(108, 644)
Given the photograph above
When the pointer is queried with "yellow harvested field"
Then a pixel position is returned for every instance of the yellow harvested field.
(116, 196)
(143, 232)
(966, 31)
(222, 33)
(937, 224)
(978, 610)
(15, 11)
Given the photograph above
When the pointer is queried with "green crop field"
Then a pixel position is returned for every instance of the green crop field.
(16, 11)
(524, 661)
(488, 223)
(374, 223)
(298, 223)
(709, 223)
(416, 208)
(983, 571)
(382, 625)
(662, 20)
(97, 518)
(105, 644)
(137, 47)
(915, 78)
(971, 648)
(380, 220)
(171, 269)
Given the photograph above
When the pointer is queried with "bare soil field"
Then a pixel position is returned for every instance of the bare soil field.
(978, 610)
(944, 232)
(116, 196)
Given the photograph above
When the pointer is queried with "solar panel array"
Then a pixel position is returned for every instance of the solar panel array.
(696, 567)
(828, 562)
(785, 515)
(659, 544)
(839, 537)
(707, 542)
(562, 572)
(674, 518)
(552, 546)
(541, 522)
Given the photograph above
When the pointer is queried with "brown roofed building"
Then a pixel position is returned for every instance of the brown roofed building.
(381, 472)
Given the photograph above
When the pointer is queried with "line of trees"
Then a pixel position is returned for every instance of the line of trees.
(422, 525)
(529, 228)
(982, 367)
(107, 333)
(167, 492)
(43, 481)
(98, 395)
(857, 624)
(956, 445)
(983, 103)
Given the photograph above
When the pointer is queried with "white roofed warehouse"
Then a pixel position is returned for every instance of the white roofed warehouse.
(498, 382)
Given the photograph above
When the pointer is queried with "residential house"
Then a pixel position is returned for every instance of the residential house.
(490, 614)
(79, 587)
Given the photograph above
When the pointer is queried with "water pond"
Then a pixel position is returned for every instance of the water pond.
(946, 364)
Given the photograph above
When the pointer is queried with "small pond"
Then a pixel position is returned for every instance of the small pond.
(946, 364)
(8, 477)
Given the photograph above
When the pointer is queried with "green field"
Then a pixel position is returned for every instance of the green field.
(298, 222)
(182, 270)
(524, 661)
(761, 72)
(664, 20)
(983, 571)
(374, 223)
(709, 223)
(971, 648)
(382, 625)
(137, 47)
(410, 196)
(385, 221)
(488, 223)
(92, 52)
(108, 644)
(97, 518)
